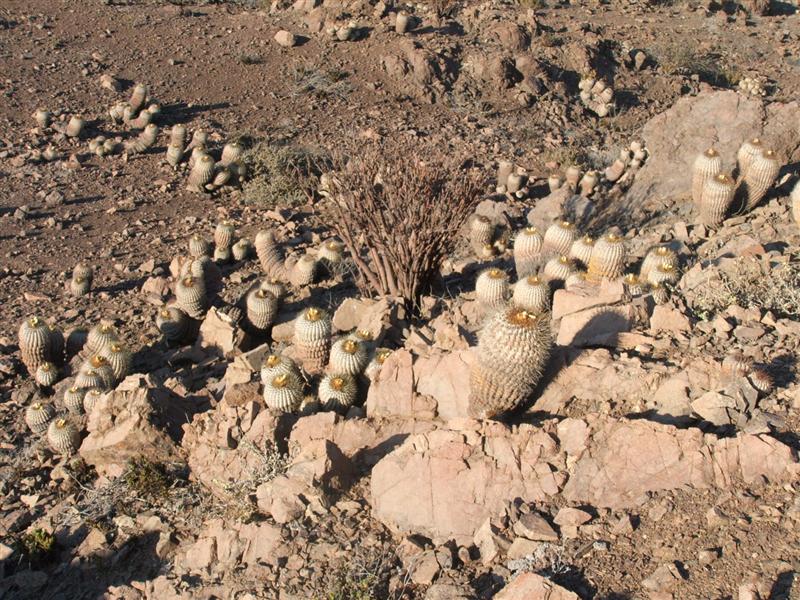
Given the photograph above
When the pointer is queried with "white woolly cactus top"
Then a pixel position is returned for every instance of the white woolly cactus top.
(313, 324)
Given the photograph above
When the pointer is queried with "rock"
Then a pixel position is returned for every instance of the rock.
(571, 517)
(591, 315)
(158, 287)
(285, 38)
(666, 318)
(374, 316)
(561, 204)
(719, 409)
(137, 419)
(444, 376)
(414, 70)
(447, 483)
(628, 459)
(489, 542)
(663, 579)
(521, 547)
(448, 591)
(671, 400)
(534, 527)
(530, 586)
(426, 568)
(225, 545)
(217, 330)
(228, 444)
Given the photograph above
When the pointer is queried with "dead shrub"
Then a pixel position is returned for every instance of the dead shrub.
(399, 215)
(274, 173)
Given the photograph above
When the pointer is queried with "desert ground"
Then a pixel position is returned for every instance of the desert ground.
(351, 300)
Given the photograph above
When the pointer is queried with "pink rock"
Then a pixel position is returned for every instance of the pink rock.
(218, 331)
(445, 378)
(571, 517)
(534, 527)
(285, 38)
(392, 392)
(666, 318)
(595, 327)
(530, 586)
(575, 300)
(134, 420)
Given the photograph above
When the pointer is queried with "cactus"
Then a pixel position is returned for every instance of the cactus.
(173, 323)
(38, 416)
(138, 97)
(558, 269)
(715, 199)
(331, 252)
(492, 288)
(558, 238)
(706, 165)
(231, 153)
(222, 255)
(581, 250)
(304, 271)
(659, 293)
(119, 360)
(95, 373)
(201, 174)
(100, 337)
(199, 246)
(63, 437)
(46, 374)
(145, 140)
(174, 155)
(531, 294)
(746, 153)
(277, 364)
(663, 274)
(737, 364)
(376, 363)
(57, 345)
(608, 258)
(274, 287)
(75, 341)
(659, 255)
(481, 232)
(224, 233)
(337, 392)
(269, 254)
(312, 338)
(81, 282)
(758, 179)
(73, 399)
(190, 296)
(34, 343)
(90, 399)
(241, 250)
(283, 393)
(75, 126)
(794, 198)
(588, 183)
(348, 357)
(761, 380)
(527, 251)
(199, 139)
(42, 118)
(634, 285)
(513, 349)
(261, 307)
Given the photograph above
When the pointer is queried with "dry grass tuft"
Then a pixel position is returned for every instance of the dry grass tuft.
(274, 174)
(747, 285)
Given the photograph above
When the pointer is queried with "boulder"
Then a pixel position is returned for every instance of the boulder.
(530, 586)
(217, 330)
(138, 419)
(590, 315)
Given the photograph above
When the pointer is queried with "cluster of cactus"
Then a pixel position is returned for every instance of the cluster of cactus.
(657, 273)
(341, 365)
(752, 86)
(576, 180)
(62, 435)
(625, 167)
(138, 112)
(343, 32)
(299, 271)
(485, 237)
(41, 347)
(562, 252)
(715, 192)
(512, 180)
(206, 174)
(596, 95)
(738, 365)
(513, 348)
(104, 146)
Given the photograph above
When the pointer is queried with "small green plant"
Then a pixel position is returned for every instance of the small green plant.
(37, 546)
(146, 478)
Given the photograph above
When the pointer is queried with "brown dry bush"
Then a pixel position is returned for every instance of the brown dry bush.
(399, 215)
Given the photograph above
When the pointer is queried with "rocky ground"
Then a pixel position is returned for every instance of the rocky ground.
(644, 465)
